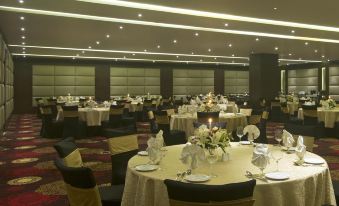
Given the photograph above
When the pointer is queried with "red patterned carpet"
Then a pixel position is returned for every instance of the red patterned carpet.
(29, 178)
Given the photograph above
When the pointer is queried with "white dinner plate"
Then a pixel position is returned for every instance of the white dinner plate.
(289, 149)
(314, 161)
(277, 176)
(245, 142)
(146, 167)
(143, 153)
(197, 178)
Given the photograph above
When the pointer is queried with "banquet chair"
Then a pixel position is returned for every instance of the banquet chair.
(82, 189)
(262, 127)
(305, 130)
(115, 115)
(68, 151)
(310, 114)
(204, 117)
(171, 137)
(188, 194)
(39, 102)
(221, 125)
(71, 125)
(121, 150)
(49, 127)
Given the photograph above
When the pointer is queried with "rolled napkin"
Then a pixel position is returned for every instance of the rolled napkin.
(252, 131)
(193, 102)
(300, 150)
(154, 145)
(192, 152)
(260, 157)
(287, 138)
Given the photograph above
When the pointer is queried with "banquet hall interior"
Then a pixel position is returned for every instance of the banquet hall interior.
(169, 103)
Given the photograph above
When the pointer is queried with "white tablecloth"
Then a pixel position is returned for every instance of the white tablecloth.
(93, 117)
(134, 106)
(328, 116)
(185, 122)
(307, 186)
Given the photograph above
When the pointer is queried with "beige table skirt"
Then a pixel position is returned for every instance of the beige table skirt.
(185, 122)
(92, 117)
(328, 116)
(292, 107)
(307, 186)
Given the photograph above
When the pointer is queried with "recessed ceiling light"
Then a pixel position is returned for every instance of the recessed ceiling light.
(133, 54)
(24, 48)
(174, 41)
(73, 57)
(275, 8)
(292, 31)
(107, 35)
(22, 18)
(276, 48)
(89, 47)
(23, 43)
(23, 52)
(23, 37)
(232, 55)
(22, 29)
(139, 15)
(192, 52)
(215, 58)
(306, 43)
(158, 46)
(145, 50)
(315, 51)
(201, 60)
(121, 27)
(209, 50)
(124, 57)
(24, 56)
(177, 57)
(230, 45)
(226, 24)
(83, 52)
(97, 42)
(196, 34)
(257, 39)
(328, 60)
(323, 56)
(21, 1)
(289, 54)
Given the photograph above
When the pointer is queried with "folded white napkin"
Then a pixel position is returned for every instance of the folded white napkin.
(301, 148)
(260, 157)
(287, 138)
(252, 131)
(154, 147)
(193, 102)
(192, 152)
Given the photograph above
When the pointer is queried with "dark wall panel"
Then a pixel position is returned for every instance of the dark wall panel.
(22, 87)
(102, 82)
(219, 81)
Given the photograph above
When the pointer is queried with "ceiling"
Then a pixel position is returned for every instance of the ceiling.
(196, 31)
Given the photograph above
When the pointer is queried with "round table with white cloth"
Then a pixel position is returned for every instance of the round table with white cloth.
(232, 108)
(328, 116)
(134, 106)
(307, 186)
(292, 107)
(184, 122)
(92, 116)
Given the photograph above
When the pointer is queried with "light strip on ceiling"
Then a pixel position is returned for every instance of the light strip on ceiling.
(127, 59)
(146, 53)
(163, 25)
(191, 12)
(126, 52)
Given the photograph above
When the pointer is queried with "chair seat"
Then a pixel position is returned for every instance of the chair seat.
(111, 195)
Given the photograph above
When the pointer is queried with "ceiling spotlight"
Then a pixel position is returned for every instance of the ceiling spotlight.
(230, 45)
(196, 34)
(23, 52)
(158, 46)
(24, 56)
(257, 39)
(292, 31)
(306, 43)
(23, 43)
(22, 29)
(83, 52)
(209, 50)
(22, 18)
(275, 8)
(107, 35)
(23, 48)
(192, 52)
(315, 51)
(145, 50)
(232, 55)
(328, 60)
(121, 27)
(290, 54)
(73, 57)
(276, 48)
(226, 24)
(177, 57)
(323, 56)
(124, 57)
(139, 15)
(21, 1)
(174, 41)
(133, 54)
(89, 47)
(97, 42)
(23, 37)
(201, 60)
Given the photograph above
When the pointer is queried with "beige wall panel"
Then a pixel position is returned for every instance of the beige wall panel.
(152, 81)
(118, 90)
(180, 73)
(47, 70)
(194, 73)
(118, 81)
(136, 72)
(207, 89)
(334, 71)
(43, 80)
(136, 90)
(152, 90)
(207, 73)
(65, 70)
(180, 81)
(207, 82)
(194, 82)
(136, 81)
(64, 90)
(41, 91)
(2, 72)
(64, 80)
(152, 72)
(118, 71)
(84, 71)
(85, 80)
(179, 90)
(85, 90)
(194, 90)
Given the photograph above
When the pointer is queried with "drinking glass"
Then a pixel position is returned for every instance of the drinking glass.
(240, 132)
(278, 136)
(212, 157)
(262, 168)
(277, 155)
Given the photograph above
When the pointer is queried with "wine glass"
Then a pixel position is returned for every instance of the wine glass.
(278, 136)
(240, 132)
(212, 157)
(277, 155)
(262, 166)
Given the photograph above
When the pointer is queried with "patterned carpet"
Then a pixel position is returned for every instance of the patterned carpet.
(29, 178)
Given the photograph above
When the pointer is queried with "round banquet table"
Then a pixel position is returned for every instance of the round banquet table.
(328, 116)
(184, 122)
(292, 107)
(92, 116)
(307, 186)
(134, 106)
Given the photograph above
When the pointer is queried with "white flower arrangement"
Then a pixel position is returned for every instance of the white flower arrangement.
(211, 138)
(331, 103)
(209, 108)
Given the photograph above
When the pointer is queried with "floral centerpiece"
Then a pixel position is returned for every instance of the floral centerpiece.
(331, 103)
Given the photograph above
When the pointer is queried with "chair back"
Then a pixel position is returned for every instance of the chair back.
(275, 104)
(116, 110)
(80, 185)
(69, 152)
(122, 149)
(70, 111)
(161, 117)
(148, 103)
(246, 112)
(46, 110)
(188, 194)
(205, 116)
